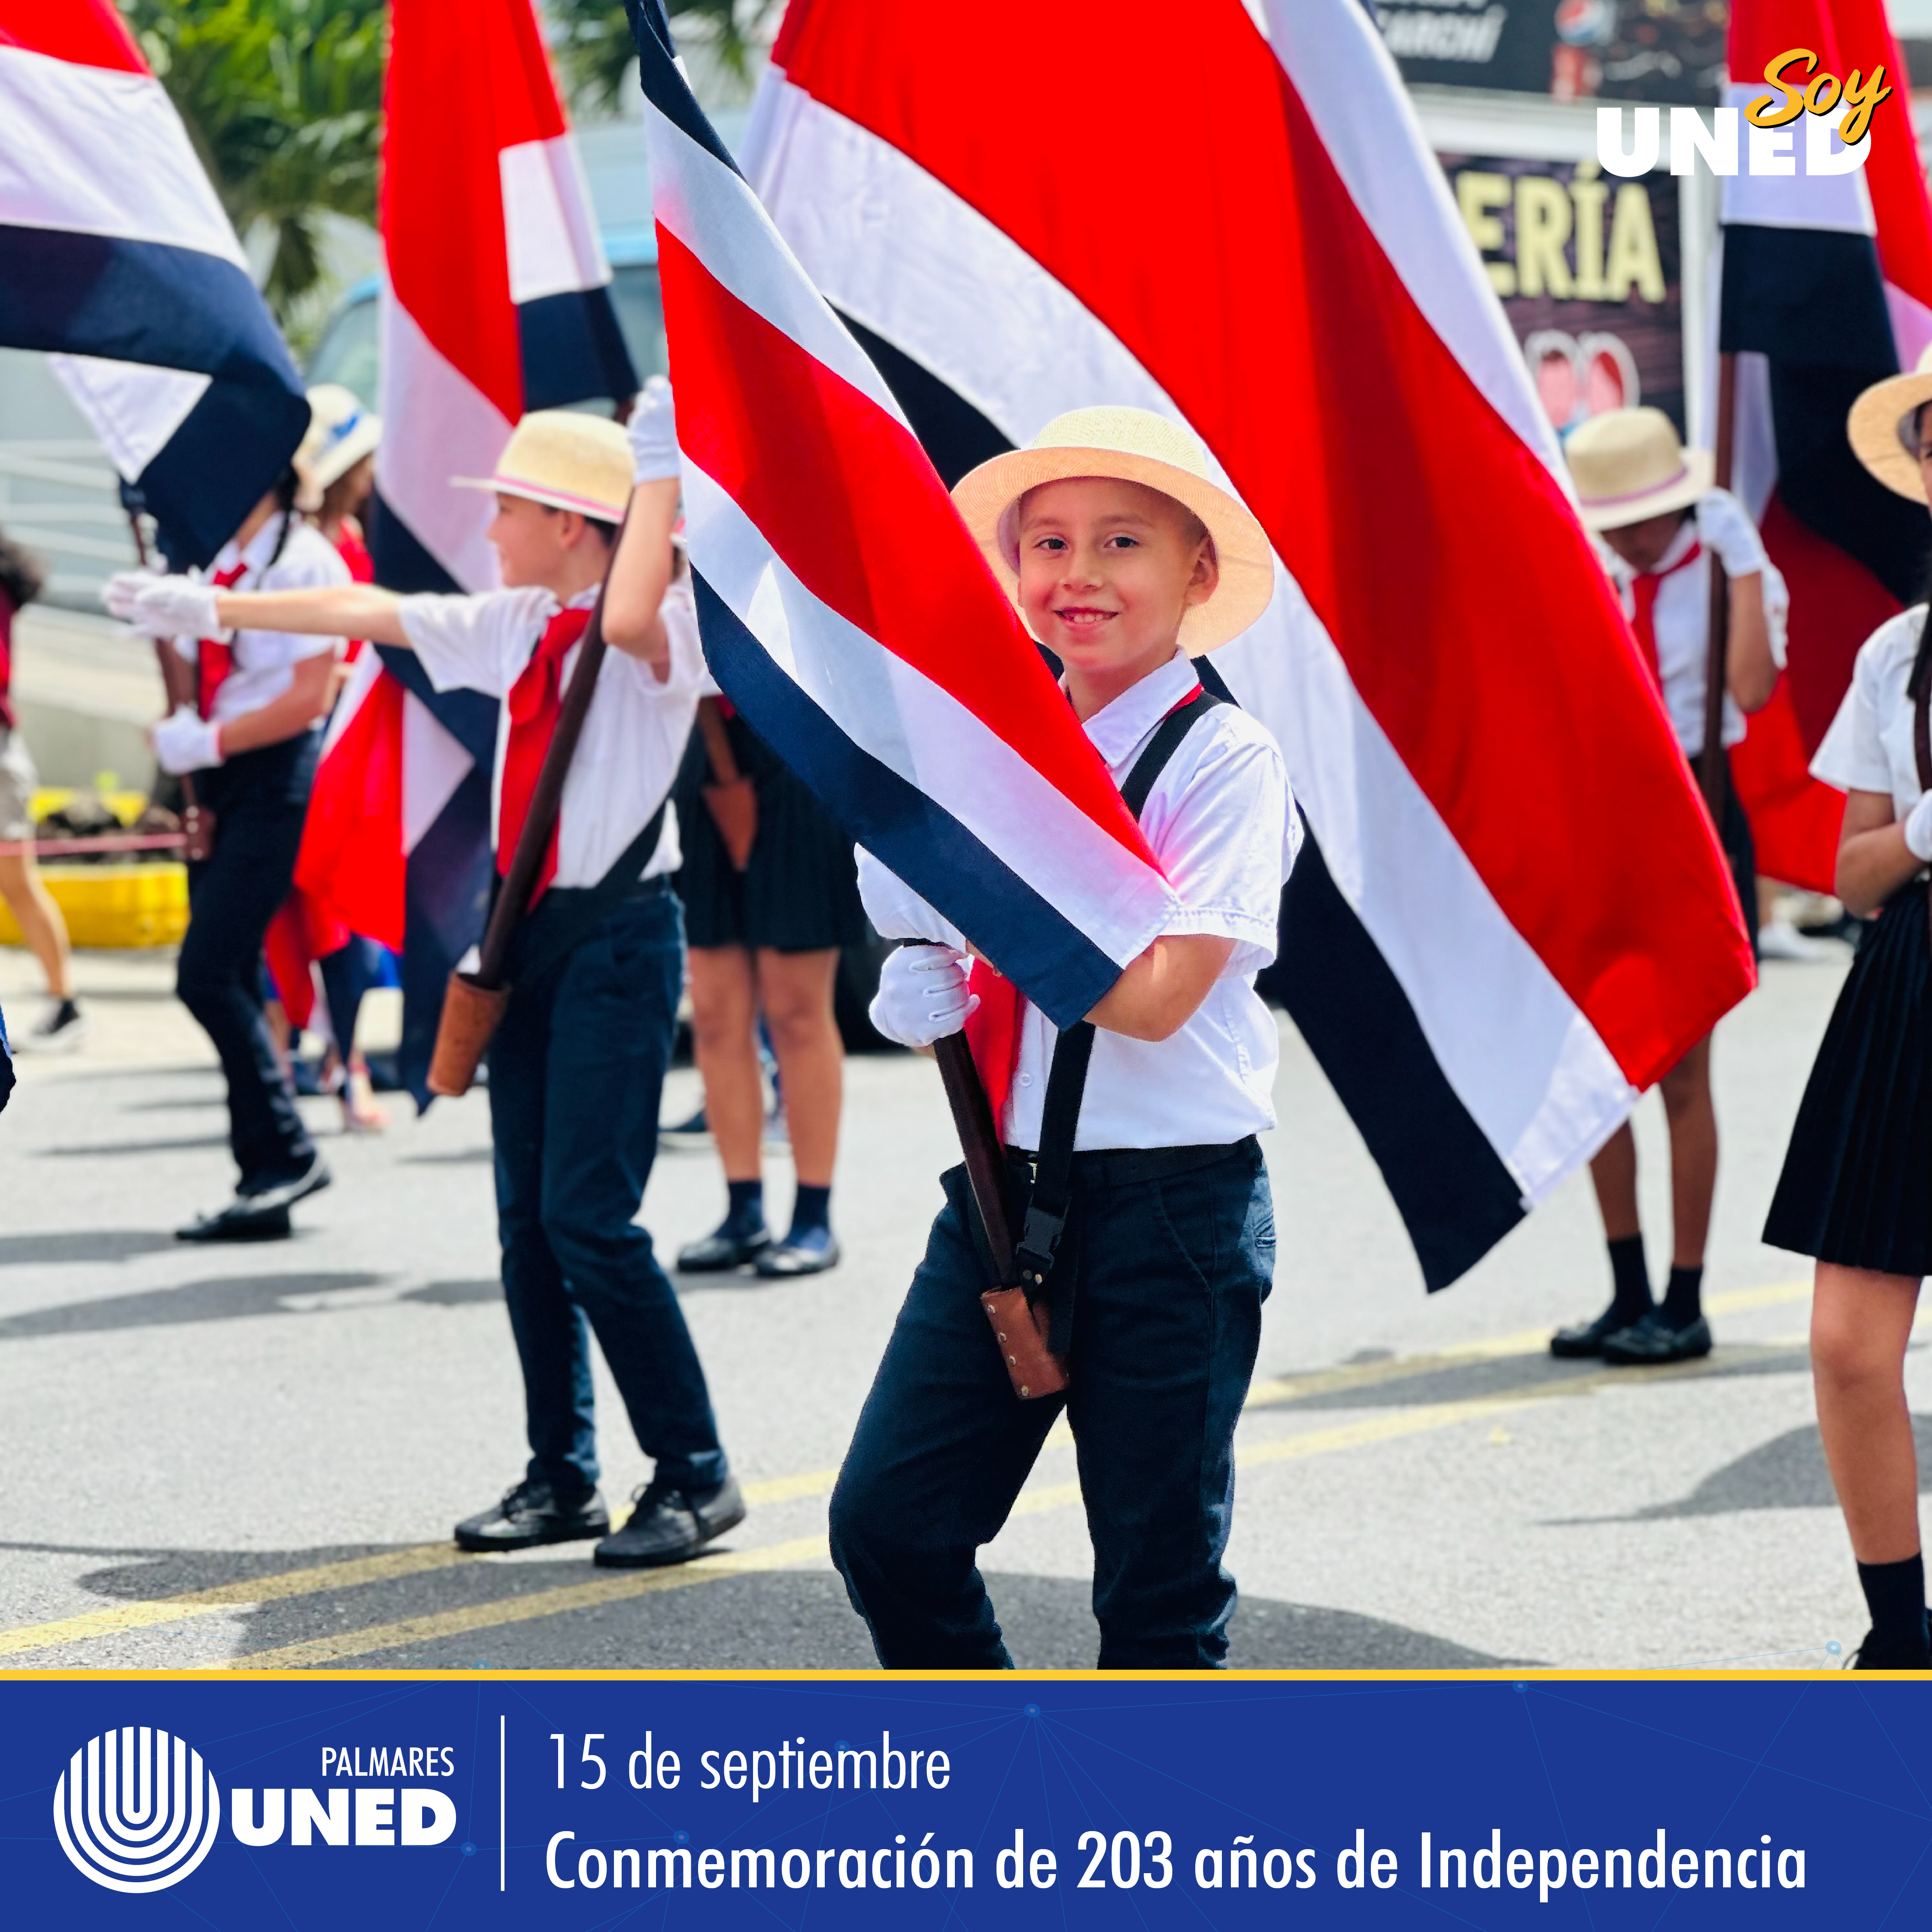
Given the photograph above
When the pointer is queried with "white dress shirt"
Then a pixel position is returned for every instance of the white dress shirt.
(264, 662)
(634, 734)
(1869, 746)
(1682, 618)
(1221, 823)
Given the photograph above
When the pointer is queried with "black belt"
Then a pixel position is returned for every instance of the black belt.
(1133, 1167)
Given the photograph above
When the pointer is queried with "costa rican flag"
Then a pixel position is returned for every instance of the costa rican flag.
(496, 295)
(895, 676)
(117, 259)
(1513, 914)
(1827, 288)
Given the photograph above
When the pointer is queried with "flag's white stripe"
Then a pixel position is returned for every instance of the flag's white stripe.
(134, 408)
(1911, 325)
(102, 152)
(436, 425)
(1345, 78)
(829, 184)
(711, 210)
(1841, 204)
(1532, 1073)
(434, 763)
(548, 228)
(920, 731)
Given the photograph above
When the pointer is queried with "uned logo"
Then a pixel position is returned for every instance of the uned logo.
(137, 1810)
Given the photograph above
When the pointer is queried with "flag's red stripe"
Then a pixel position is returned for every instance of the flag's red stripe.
(352, 858)
(1794, 819)
(844, 493)
(90, 33)
(466, 79)
(1441, 556)
(1900, 206)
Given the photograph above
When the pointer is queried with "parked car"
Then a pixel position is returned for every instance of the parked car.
(349, 350)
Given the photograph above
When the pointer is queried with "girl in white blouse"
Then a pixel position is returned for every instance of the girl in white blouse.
(1856, 1189)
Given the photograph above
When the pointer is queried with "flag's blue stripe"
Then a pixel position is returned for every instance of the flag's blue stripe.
(571, 350)
(1049, 958)
(1809, 295)
(446, 898)
(1456, 1197)
(664, 87)
(174, 308)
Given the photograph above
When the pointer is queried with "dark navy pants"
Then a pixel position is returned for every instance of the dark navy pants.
(260, 799)
(1169, 1278)
(575, 1073)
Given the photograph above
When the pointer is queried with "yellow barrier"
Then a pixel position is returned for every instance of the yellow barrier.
(115, 903)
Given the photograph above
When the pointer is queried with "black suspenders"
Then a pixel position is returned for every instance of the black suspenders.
(1052, 1195)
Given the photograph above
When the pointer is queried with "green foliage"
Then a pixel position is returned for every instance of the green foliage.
(283, 99)
(591, 40)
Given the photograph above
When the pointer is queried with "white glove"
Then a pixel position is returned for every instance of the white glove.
(1918, 829)
(175, 607)
(1724, 526)
(120, 591)
(653, 429)
(922, 995)
(184, 741)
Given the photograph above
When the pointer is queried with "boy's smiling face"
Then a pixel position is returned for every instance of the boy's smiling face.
(1108, 570)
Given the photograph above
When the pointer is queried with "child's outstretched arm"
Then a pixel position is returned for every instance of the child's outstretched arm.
(178, 606)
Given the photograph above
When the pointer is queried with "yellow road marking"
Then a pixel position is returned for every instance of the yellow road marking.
(351, 1573)
(605, 1589)
(422, 1558)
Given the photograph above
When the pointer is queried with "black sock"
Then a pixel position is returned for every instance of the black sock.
(747, 1211)
(1895, 1595)
(811, 1208)
(1683, 1296)
(1630, 1279)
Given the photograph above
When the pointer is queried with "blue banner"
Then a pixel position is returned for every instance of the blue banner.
(380, 1801)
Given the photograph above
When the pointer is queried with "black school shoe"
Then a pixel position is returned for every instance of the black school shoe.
(533, 1514)
(242, 1220)
(1871, 1655)
(1651, 1342)
(811, 1252)
(670, 1524)
(1587, 1339)
(724, 1248)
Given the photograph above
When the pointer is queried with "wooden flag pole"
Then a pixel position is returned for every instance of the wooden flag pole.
(1713, 772)
(980, 1143)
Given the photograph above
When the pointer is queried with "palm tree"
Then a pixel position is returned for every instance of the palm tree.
(283, 100)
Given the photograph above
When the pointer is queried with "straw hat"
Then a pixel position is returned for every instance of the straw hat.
(1882, 430)
(566, 459)
(1627, 465)
(341, 432)
(1140, 447)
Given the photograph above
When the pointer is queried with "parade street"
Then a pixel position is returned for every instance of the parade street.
(253, 1455)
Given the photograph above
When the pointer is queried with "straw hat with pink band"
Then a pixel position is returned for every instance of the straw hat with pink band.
(568, 461)
(1628, 466)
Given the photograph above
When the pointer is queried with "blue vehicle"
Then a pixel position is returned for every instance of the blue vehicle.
(349, 352)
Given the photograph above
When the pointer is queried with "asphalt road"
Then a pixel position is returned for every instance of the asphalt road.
(252, 1457)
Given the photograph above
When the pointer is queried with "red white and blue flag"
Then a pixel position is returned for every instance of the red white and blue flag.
(495, 294)
(911, 700)
(118, 261)
(1827, 287)
(1513, 914)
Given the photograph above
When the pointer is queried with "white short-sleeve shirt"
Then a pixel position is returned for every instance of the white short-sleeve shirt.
(264, 662)
(1869, 746)
(1682, 617)
(1221, 823)
(634, 734)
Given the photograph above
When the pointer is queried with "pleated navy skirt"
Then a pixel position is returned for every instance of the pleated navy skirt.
(1856, 1189)
(800, 891)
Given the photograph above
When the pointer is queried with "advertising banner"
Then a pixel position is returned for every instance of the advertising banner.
(382, 1801)
(1590, 270)
(1573, 49)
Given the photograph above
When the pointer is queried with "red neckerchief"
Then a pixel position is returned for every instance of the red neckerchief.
(212, 662)
(1644, 587)
(535, 699)
(993, 1028)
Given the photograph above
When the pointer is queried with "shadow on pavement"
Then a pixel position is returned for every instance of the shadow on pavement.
(82, 1244)
(455, 1294)
(175, 1143)
(222, 1298)
(1787, 1472)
